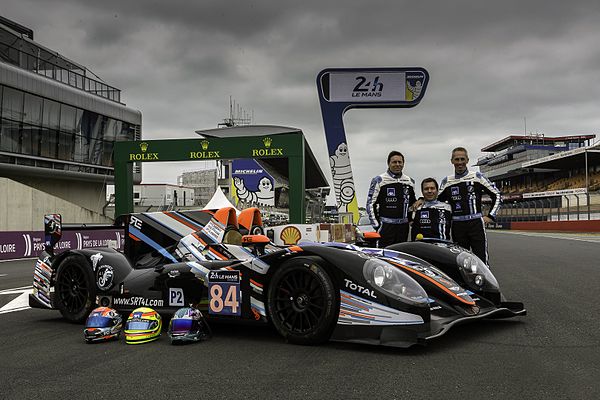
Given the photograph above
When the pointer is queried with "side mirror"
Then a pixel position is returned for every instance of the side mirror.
(371, 235)
(257, 241)
(371, 238)
(52, 230)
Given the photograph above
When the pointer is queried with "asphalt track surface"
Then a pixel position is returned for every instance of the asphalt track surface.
(552, 353)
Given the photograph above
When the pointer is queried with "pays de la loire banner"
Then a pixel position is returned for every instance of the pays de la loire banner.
(25, 244)
(341, 89)
(251, 184)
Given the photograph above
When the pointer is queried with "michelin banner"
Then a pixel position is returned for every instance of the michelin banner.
(251, 184)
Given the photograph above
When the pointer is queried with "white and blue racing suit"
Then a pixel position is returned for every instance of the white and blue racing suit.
(432, 219)
(388, 201)
(463, 192)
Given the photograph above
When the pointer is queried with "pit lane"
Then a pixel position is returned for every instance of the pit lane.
(550, 353)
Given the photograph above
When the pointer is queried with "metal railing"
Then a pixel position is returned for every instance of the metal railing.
(66, 73)
(574, 207)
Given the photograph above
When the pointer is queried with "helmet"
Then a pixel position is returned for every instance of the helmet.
(187, 325)
(143, 325)
(104, 323)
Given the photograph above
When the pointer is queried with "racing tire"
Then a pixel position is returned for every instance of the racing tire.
(302, 302)
(75, 289)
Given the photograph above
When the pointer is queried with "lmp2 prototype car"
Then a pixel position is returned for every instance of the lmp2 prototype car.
(311, 292)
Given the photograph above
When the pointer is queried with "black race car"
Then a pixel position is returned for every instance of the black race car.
(311, 292)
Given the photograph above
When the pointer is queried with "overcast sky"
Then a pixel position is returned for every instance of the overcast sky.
(491, 64)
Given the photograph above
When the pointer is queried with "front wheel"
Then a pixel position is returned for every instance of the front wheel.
(302, 302)
(75, 292)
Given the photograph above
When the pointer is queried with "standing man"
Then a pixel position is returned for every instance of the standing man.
(433, 218)
(463, 190)
(391, 194)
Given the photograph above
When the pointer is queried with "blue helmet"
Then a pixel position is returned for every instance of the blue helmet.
(104, 323)
(188, 325)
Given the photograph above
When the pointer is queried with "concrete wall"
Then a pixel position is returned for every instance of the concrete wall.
(22, 208)
(86, 194)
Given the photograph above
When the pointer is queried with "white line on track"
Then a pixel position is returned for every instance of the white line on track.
(16, 290)
(582, 237)
(20, 303)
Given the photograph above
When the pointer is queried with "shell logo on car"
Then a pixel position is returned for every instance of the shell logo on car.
(290, 235)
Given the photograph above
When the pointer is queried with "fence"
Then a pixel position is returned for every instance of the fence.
(573, 207)
(53, 66)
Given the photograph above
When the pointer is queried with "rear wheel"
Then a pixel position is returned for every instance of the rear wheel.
(75, 290)
(302, 302)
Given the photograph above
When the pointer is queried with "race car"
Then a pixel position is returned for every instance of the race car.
(310, 292)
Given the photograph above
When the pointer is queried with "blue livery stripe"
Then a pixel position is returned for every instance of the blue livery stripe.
(137, 233)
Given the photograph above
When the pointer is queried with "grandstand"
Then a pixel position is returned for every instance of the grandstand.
(545, 178)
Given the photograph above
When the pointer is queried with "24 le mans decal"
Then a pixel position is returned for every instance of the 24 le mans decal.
(224, 293)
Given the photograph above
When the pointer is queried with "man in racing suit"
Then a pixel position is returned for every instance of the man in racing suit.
(391, 194)
(463, 190)
(432, 218)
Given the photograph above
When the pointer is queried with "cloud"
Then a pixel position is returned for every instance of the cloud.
(492, 65)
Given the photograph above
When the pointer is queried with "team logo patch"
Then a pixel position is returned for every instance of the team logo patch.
(455, 191)
(457, 206)
(470, 188)
(104, 277)
(391, 191)
(424, 214)
(405, 190)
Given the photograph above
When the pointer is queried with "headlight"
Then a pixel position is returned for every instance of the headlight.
(393, 281)
(475, 273)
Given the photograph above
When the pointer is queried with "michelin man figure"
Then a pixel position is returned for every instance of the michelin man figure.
(265, 195)
(343, 182)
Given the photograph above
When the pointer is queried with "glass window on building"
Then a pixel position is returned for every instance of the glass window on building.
(80, 148)
(51, 115)
(78, 117)
(30, 62)
(8, 53)
(30, 140)
(68, 115)
(95, 152)
(48, 143)
(113, 127)
(65, 146)
(91, 125)
(107, 153)
(9, 136)
(32, 109)
(45, 68)
(126, 132)
(12, 104)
